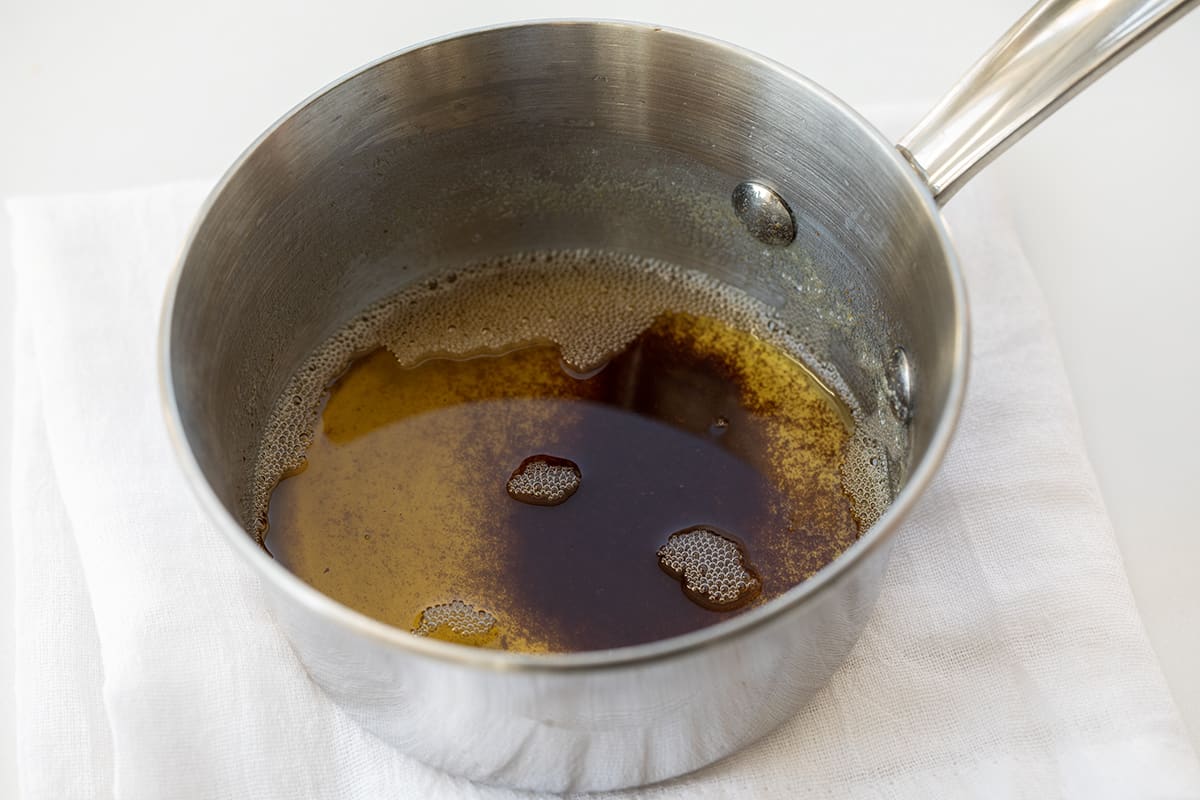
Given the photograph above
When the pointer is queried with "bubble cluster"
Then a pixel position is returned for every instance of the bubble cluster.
(865, 479)
(713, 569)
(590, 305)
(456, 618)
(544, 480)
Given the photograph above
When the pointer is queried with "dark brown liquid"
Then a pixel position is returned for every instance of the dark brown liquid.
(404, 502)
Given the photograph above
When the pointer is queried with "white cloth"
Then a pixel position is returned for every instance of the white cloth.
(1005, 657)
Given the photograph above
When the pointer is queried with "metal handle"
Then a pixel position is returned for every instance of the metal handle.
(1054, 51)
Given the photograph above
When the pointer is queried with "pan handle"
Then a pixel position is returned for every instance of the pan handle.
(1049, 55)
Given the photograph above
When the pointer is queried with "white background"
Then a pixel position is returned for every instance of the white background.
(96, 96)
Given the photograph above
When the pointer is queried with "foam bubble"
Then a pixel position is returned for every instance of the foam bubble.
(713, 568)
(455, 621)
(544, 480)
(865, 479)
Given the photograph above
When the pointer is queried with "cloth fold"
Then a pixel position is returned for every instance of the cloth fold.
(1005, 657)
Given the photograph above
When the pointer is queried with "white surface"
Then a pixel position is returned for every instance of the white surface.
(126, 93)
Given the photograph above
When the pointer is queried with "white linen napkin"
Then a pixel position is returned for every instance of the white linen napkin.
(1005, 657)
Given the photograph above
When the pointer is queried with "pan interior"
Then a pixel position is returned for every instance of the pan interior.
(565, 136)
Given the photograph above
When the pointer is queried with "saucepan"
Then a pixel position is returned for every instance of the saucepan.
(619, 137)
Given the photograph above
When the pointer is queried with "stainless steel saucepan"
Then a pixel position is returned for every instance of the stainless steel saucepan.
(619, 137)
